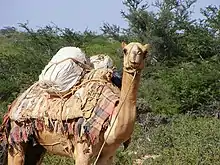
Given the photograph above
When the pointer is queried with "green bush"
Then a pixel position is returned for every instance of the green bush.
(184, 140)
(186, 88)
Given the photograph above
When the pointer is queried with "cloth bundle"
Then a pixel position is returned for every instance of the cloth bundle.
(64, 70)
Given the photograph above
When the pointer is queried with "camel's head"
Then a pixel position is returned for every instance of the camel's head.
(134, 55)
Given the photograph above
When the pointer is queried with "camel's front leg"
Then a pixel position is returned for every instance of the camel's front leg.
(83, 153)
(106, 157)
(16, 156)
(105, 160)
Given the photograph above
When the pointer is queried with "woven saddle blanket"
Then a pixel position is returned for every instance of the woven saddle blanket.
(88, 109)
(36, 103)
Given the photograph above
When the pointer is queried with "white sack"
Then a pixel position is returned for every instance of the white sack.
(101, 61)
(63, 75)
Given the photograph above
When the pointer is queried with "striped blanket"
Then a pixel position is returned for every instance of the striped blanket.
(102, 112)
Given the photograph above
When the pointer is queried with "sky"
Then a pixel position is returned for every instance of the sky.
(75, 14)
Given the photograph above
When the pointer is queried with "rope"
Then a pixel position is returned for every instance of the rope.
(85, 66)
(135, 73)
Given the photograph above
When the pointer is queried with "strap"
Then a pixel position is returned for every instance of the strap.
(85, 66)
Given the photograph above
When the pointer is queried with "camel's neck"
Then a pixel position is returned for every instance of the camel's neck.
(130, 84)
(128, 98)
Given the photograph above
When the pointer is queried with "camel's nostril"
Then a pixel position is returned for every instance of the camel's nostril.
(133, 62)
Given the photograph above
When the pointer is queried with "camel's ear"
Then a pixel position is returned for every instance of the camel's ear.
(146, 47)
(123, 44)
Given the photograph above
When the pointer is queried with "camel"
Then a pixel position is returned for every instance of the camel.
(119, 130)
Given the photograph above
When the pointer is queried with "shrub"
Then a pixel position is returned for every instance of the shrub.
(187, 88)
(184, 140)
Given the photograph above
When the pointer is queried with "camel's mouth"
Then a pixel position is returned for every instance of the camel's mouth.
(135, 65)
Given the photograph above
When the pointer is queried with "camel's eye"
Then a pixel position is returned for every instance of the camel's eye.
(125, 51)
(145, 54)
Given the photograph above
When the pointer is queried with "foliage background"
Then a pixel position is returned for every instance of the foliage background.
(179, 97)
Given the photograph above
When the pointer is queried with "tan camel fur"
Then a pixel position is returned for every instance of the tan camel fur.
(122, 122)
